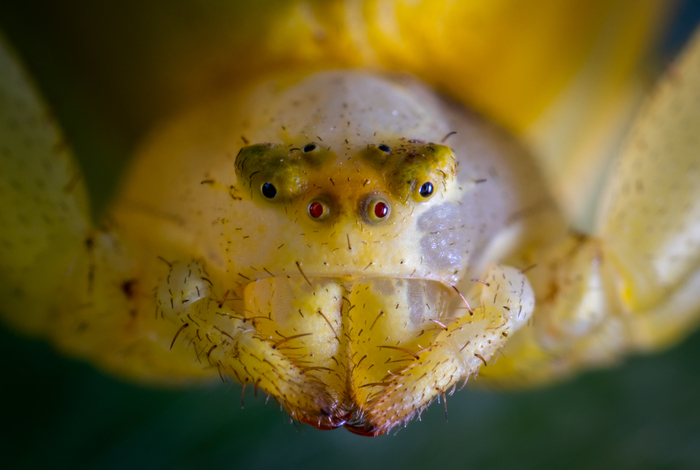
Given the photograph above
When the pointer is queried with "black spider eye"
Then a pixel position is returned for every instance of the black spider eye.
(268, 190)
(384, 148)
(309, 148)
(426, 190)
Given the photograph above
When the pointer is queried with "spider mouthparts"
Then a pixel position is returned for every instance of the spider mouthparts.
(349, 341)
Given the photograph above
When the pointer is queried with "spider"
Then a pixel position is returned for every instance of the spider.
(351, 242)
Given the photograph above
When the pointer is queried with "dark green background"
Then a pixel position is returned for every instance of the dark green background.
(60, 413)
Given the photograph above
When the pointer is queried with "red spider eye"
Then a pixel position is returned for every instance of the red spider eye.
(315, 209)
(380, 210)
(374, 208)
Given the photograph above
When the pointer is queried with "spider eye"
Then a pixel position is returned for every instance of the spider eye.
(309, 148)
(268, 190)
(426, 190)
(381, 210)
(318, 210)
(384, 148)
(377, 210)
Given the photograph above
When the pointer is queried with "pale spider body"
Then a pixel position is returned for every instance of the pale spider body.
(352, 243)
